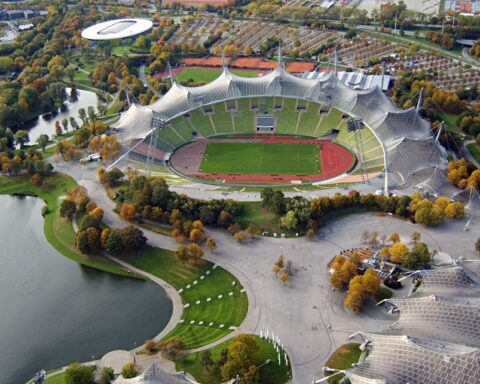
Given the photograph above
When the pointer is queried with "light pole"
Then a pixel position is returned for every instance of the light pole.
(355, 125)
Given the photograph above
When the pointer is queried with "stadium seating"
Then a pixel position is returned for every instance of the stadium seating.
(244, 118)
(222, 119)
(287, 117)
(201, 123)
(182, 127)
(309, 120)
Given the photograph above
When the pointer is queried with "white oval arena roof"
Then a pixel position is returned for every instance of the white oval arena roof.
(117, 29)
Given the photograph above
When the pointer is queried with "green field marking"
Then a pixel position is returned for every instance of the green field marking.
(230, 310)
(261, 158)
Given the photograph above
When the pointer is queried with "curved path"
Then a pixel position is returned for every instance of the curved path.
(306, 314)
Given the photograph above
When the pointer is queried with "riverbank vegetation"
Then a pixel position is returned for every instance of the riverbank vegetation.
(214, 300)
(58, 231)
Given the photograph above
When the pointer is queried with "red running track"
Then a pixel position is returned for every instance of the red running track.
(335, 160)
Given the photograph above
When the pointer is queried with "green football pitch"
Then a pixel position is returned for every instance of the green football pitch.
(258, 158)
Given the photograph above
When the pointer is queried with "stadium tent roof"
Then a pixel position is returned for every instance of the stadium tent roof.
(453, 319)
(456, 280)
(439, 185)
(117, 29)
(402, 359)
(406, 138)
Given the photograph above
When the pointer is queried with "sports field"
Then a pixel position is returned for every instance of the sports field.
(208, 75)
(261, 158)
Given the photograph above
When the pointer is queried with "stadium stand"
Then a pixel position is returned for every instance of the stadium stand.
(201, 122)
(222, 119)
(287, 118)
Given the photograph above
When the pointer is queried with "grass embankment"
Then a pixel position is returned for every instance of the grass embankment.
(207, 75)
(59, 231)
(474, 149)
(201, 323)
(57, 379)
(259, 158)
(343, 358)
(269, 374)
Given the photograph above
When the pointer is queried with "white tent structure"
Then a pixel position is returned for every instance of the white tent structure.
(407, 140)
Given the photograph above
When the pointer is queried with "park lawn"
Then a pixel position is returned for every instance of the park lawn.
(59, 231)
(57, 379)
(264, 219)
(260, 158)
(269, 374)
(230, 310)
(343, 358)
(207, 75)
(450, 120)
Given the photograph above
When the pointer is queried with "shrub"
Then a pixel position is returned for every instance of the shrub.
(129, 371)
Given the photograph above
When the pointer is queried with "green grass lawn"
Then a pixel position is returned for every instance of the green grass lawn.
(57, 379)
(258, 158)
(230, 310)
(343, 358)
(267, 221)
(269, 374)
(59, 231)
(208, 75)
(474, 149)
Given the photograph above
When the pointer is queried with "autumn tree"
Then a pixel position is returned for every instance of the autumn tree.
(394, 237)
(127, 211)
(416, 236)
(398, 252)
(284, 277)
(211, 244)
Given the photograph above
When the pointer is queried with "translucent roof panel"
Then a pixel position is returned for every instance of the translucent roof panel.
(402, 359)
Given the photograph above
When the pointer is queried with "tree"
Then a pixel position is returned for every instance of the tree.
(129, 371)
(127, 211)
(114, 243)
(455, 210)
(106, 376)
(398, 252)
(284, 277)
(211, 244)
(253, 230)
(394, 237)
(289, 220)
(365, 235)
(65, 124)
(310, 233)
(206, 359)
(371, 282)
(416, 236)
(113, 177)
(42, 141)
(280, 261)
(21, 138)
(356, 294)
(79, 374)
(133, 238)
(276, 269)
(189, 253)
(240, 357)
(82, 114)
(67, 208)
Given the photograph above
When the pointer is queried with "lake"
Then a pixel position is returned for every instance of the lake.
(54, 311)
(42, 124)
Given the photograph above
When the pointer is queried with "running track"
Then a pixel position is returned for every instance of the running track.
(335, 161)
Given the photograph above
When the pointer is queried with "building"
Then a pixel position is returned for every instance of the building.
(119, 29)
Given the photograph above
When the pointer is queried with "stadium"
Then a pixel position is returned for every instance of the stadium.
(121, 29)
(279, 129)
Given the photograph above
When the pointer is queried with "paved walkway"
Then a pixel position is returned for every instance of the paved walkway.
(306, 314)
